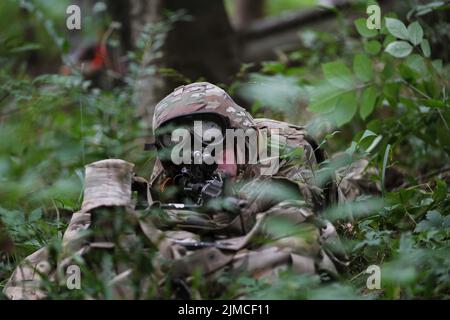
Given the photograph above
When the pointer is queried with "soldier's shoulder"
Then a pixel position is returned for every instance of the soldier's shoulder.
(286, 129)
(295, 134)
(262, 123)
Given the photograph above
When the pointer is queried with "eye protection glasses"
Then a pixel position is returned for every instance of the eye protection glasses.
(205, 132)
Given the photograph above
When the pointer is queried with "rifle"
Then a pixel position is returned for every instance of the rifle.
(204, 191)
(196, 188)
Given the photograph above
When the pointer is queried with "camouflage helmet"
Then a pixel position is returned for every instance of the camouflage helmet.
(201, 98)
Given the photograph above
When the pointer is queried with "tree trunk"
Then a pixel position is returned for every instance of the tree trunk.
(150, 87)
(120, 12)
(202, 47)
(247, 11)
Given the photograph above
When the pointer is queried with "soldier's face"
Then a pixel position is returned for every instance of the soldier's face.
(195, 137)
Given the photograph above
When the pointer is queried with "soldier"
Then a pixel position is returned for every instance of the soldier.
(200, 216)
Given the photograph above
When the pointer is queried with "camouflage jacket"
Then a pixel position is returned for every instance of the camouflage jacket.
(213, 242)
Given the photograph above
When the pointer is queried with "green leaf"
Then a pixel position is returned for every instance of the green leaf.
(391, 92)
(427, 8)
(358, 208)
(26, 47)
(324, 98)
(12, 217)
(432, 103)
(434, 217)
(437, 65)
(415, 33)
(345, 108)
(416, 63)
(440, 193)
(273, 67)
(35, 215)
(368, 100)
(397, 28)
(338, 74)
(367, 134)
(388, 70)
(388, 39)
(383, 169)
(361, 27)
(443, 132)
(422, 226)
(425, 46)
(372, 47)
(362, 66)
(399, 49)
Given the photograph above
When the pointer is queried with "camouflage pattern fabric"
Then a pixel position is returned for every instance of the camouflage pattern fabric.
(216, 242)
(201, 98)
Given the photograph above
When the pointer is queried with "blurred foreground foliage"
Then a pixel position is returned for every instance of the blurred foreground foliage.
(374, 94)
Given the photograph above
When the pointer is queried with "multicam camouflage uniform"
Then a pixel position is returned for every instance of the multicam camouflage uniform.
(181, 236)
